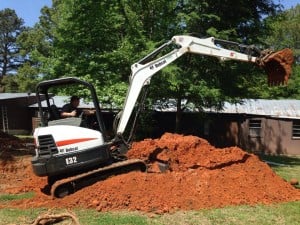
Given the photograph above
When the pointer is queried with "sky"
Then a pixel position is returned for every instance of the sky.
(286, 3)
(29, 10)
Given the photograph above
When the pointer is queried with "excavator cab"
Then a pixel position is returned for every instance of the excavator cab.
(50, 113)
(62, 145)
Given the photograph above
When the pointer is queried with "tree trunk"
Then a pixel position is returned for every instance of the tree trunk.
(2, 87)
(178, 116)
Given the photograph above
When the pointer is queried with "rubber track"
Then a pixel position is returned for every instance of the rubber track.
(121, 164)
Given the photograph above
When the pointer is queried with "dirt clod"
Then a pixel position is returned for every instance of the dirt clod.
(197, 176)
(294, 181)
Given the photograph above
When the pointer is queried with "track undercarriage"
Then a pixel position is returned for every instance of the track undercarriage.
(65, 186)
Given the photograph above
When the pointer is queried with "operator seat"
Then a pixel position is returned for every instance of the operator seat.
(56, 119)
(54, 113)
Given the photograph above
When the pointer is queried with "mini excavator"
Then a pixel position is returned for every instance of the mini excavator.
(73, 156)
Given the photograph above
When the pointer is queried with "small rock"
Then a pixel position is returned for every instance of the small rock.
(294, 181)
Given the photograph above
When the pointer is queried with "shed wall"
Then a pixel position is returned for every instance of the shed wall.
(276, 137)
(19, 116)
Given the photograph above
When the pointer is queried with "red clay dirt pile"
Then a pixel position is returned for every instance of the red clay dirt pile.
(197, 175)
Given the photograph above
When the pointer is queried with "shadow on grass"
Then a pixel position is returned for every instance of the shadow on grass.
(286, 160)
(286, 166)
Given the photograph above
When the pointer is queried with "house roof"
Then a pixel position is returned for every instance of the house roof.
(4, 96)
(287, 108)
(60, 101)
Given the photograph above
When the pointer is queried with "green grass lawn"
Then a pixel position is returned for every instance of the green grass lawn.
(284, 166)
(277, 214)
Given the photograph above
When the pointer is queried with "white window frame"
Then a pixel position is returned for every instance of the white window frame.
(255, 127)
(296, 129)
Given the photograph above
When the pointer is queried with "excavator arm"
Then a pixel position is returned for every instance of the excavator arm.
(143, 70)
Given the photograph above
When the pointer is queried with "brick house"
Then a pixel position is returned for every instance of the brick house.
(264, 126)
(257, 125)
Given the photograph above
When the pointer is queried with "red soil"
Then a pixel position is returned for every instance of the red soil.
(198, 176)
(278, 66)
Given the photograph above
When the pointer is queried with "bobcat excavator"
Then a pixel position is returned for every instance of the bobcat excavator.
(72, 156)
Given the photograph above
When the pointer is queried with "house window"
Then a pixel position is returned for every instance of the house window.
(254, 128)
(206, 128)
(296, 129)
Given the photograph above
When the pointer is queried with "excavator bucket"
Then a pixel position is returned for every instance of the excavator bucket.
(278, 65)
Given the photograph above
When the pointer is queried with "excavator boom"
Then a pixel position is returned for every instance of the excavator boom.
(276, 64)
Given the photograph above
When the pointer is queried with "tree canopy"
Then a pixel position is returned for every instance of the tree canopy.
(10, 59)
(283, 32)
(98, 41)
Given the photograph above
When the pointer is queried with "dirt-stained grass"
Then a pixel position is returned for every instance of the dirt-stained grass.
(276, 214)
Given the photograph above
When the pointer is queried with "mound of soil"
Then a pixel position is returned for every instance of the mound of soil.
(9, 141)
(11, 145)
(278, 66)
(195, 175)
